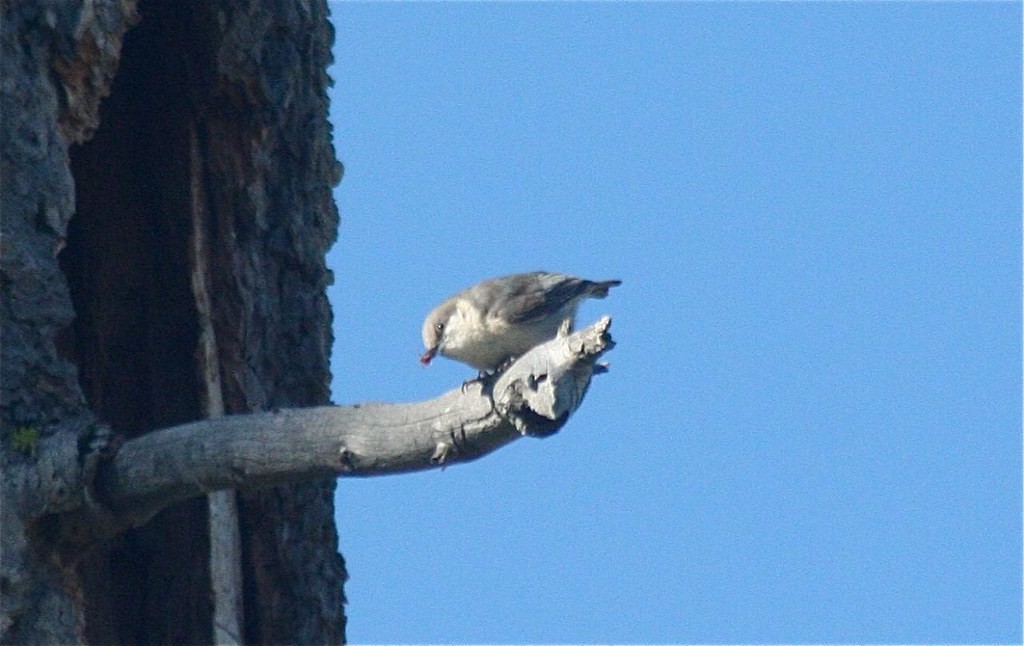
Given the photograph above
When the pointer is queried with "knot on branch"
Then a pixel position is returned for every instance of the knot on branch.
(539, 392)
(60, 493)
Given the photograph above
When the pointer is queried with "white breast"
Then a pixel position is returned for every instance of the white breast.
(484, 343)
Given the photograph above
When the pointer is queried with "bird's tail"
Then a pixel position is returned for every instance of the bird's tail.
(600, 288)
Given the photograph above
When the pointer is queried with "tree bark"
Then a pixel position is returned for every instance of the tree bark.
(189, 283)
(216, 123)
(57, 61)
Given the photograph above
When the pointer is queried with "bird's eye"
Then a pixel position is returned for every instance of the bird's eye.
(439, 327)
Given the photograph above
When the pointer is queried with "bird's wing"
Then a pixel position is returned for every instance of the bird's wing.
(530, 297)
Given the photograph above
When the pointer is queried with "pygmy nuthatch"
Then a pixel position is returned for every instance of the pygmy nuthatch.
(493, 321)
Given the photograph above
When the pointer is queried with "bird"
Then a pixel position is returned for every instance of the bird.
(488, 325)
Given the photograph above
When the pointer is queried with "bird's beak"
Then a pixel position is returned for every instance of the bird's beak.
(428, 355)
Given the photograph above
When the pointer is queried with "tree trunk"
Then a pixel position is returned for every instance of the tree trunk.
(162, 280)
(188, 283)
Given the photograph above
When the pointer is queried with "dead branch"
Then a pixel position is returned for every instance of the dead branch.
(534, 396)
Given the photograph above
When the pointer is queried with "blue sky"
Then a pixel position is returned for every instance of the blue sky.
(811, 430)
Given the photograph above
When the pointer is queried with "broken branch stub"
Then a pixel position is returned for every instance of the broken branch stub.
(540, 390)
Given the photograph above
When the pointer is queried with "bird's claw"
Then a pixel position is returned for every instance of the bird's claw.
(482, 378)
(486, 379)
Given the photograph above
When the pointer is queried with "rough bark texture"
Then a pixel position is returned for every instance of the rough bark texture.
(56, 64)
(217, 114)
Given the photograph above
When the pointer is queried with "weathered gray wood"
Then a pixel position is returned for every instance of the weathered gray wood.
(534, 396)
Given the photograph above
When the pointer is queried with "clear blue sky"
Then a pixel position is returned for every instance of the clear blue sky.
(812, 426)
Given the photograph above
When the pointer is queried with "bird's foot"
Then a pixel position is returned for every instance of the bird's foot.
(484, 378)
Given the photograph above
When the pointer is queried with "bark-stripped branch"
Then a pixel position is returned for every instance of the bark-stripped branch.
(534, 396)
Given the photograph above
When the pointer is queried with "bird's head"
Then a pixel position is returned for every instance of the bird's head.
(434, 331)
